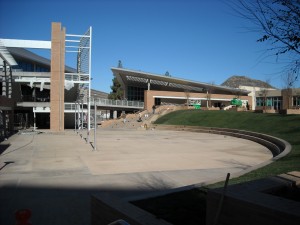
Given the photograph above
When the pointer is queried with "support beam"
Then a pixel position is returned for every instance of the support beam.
(17, 43)
(32, 79)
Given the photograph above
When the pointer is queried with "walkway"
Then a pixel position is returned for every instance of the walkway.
(54, 175)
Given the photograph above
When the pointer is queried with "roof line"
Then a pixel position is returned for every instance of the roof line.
(180, 79)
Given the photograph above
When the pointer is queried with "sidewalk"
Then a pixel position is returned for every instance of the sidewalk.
(55, 174)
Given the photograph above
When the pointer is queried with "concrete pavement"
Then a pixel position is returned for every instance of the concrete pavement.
(55, 174)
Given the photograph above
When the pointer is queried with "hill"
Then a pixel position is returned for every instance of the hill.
(236, 81)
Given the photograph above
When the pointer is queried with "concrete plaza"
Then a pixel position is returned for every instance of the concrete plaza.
(55, 174)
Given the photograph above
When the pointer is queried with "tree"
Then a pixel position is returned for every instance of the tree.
(167, 74)
(264, 93)
(288, 79)
(120, 64)
(187, 96)
(296, 100)
(117, 92)
(278, 21)
(208, 97)
(209, 91)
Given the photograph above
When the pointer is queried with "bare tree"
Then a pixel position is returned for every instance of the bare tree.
(208, 97)
(288, 80)
(209, 91)
(278, 22)
(264, 92)
(238, 93)
(187, 96)
(296, 100)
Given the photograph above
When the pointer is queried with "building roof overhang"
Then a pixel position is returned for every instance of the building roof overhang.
(6, 56)
(126, 76)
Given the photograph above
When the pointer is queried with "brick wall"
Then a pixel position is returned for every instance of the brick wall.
(57, 78)
(149, 97)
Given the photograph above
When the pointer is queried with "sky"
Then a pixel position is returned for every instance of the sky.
(197, 40)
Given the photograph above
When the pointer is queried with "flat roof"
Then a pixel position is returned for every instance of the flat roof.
(128, 76)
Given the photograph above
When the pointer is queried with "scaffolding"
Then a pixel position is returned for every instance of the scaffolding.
(82, 46)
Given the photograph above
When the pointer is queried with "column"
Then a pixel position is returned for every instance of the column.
(57, 77)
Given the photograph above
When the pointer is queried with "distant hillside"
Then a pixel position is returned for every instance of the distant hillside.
(236, 81)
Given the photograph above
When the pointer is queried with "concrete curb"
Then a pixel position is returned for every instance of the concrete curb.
(277, 146)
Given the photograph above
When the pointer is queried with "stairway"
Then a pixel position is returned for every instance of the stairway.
(131, 121)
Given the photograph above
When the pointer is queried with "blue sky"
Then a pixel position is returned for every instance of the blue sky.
(199, 40)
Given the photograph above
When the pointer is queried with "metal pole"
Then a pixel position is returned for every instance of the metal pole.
(219, 209)
(75, 117)
(9, 83)
(34, 121)
(78, 117)
(82, 117)
(95, 125)
(88, 121)
(89, 97)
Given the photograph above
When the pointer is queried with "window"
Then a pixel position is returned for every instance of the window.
(41, 69)
(25, 66)
(31, 67)
(260, 101)
(296, 101)
(135, 93)
(273, 102)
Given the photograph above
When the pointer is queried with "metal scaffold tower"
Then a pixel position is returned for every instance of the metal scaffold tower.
(82, 45)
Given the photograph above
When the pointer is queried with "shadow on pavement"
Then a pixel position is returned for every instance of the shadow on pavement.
(3, 147)
(59, 205)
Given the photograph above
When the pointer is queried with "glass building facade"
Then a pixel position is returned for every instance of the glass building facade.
(31, 67)
(271, 102)
(135, 93)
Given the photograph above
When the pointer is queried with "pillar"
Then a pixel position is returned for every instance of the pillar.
(149, 100)
(57, 77)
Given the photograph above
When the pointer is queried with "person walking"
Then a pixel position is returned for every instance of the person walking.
(124, 118)
(153, 109)
(140, 118)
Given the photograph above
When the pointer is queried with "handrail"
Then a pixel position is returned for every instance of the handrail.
(123, 103)
(107, 102)
(76, 77)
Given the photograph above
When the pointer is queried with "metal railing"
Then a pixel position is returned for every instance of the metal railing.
(30, 98)
(118, 103)
(77, 77)
(71, 106)
(106, 102)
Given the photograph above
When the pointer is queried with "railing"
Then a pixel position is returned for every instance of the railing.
(76, 77)
(30, 98)
(19, 74)
(71, 106)
(106, 102)
(118, 103)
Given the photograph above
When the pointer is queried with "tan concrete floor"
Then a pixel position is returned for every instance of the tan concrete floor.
(55, 174)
